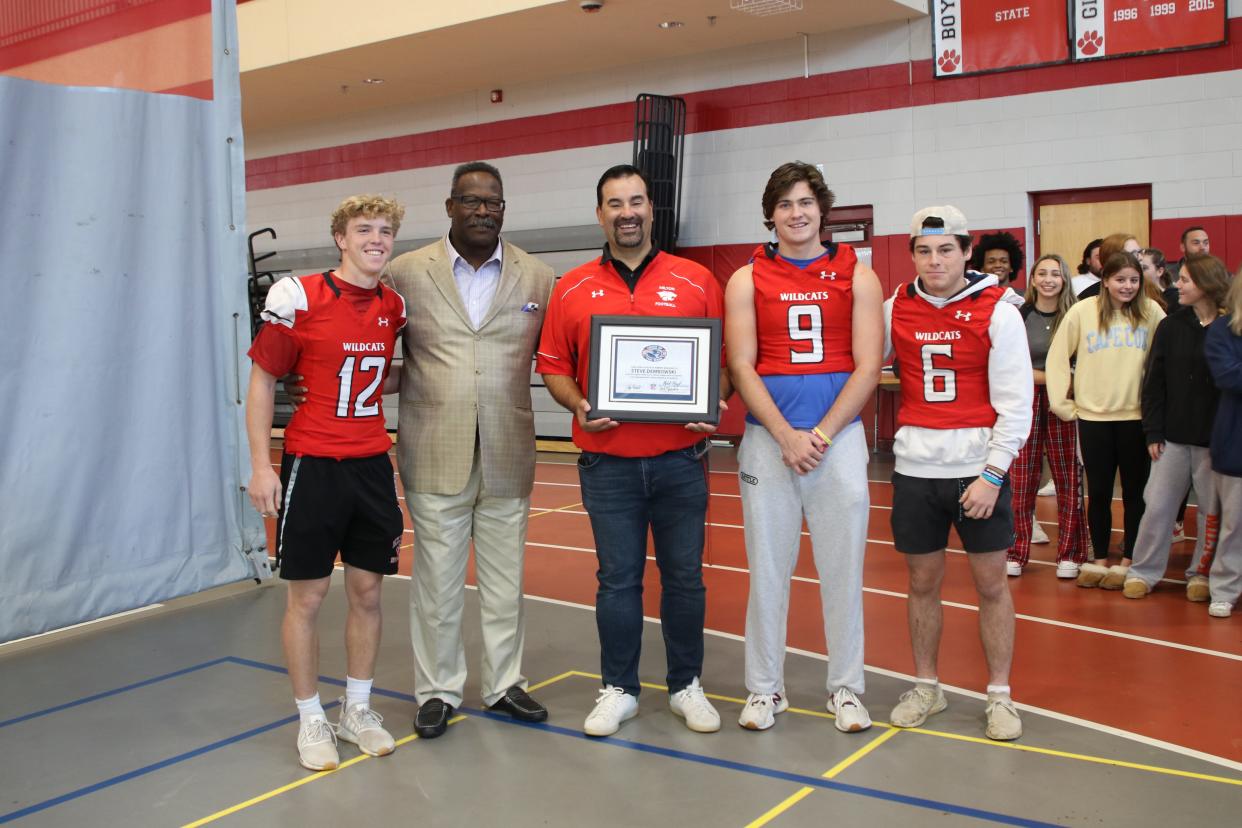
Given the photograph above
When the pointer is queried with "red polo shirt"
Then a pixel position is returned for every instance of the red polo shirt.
(668, 286)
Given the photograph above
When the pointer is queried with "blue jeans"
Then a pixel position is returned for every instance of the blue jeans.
(624, 496)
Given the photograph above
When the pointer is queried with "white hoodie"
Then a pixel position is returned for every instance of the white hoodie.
(963, 452)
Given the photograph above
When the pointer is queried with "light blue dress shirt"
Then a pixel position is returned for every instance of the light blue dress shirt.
(477, 287)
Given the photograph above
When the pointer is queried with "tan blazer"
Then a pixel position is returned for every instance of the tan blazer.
(456, 380)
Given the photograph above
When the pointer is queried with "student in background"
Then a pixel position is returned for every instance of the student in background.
(1109, 336)
(1223, 351)
(1179, 403)
(1049, 297)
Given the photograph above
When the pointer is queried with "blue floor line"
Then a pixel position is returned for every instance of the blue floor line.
(146, 769)
(106, 693)
(787, 776)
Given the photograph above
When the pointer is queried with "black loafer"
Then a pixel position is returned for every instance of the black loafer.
(518, 704)
(431, 720)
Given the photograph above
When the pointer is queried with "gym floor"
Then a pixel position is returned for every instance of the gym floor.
(181, 714)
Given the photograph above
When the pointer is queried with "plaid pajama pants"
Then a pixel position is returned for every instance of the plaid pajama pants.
(1060, 441)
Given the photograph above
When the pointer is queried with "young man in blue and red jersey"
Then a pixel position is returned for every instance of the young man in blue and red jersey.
(636, 476)
(338, 330)
(965, 411)
(804, 336)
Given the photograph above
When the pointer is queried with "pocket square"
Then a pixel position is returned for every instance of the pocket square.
(530, 307)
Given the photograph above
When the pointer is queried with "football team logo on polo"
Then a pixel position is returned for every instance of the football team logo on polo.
(654, 353)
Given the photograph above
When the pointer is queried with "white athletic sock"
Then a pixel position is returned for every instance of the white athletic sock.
(998, 689)
(930, 682)
(310, 708)
(357, 691)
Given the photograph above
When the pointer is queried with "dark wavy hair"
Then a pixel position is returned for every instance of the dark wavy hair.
(783, 179)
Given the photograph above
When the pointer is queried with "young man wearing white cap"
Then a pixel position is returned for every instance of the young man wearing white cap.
(965, 411)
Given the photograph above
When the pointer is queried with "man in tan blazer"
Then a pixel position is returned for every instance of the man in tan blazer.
(466, 444)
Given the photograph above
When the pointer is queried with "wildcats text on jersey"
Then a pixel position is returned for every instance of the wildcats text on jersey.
(943, 354)
(801, 330)
(812, 296)
(320, 330)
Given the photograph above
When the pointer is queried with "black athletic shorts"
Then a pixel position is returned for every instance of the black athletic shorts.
(925, 507)
(330, 505)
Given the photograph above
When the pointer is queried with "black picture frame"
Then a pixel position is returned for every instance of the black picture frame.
(700, 404)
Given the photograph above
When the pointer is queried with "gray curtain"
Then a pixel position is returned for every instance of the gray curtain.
(123, 328)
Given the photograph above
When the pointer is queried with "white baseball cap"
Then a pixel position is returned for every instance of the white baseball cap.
(954, 222)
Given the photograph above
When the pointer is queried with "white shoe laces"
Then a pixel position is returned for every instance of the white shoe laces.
(362, 718)
(920, 694)
(761, 700)
(844, 697)
(694, 699)
(315, 732)
(1005, 703)
(609, 699)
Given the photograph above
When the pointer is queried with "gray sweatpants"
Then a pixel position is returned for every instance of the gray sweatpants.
(1225, 577)
(1169, 480)
(835, 500)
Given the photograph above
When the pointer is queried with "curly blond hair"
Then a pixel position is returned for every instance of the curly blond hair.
(369, 206)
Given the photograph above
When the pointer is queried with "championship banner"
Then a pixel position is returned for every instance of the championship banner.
(973, 36)
(1110, 28)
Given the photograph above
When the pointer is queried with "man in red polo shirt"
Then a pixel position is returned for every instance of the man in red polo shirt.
(636, 476)
(335, 492)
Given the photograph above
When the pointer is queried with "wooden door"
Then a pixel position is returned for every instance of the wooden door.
(1067, 228)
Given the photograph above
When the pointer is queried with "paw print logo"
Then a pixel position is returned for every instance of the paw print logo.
(1090, 42)
(948, 62)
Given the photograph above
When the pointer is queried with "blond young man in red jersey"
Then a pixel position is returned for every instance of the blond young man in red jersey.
(965, 412)
(338, 330)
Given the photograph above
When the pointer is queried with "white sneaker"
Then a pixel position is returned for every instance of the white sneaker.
(1013, 569)
(1179, 532)
(364, 727)
(691, 704)
(916, 704)
(1038, 535)
(1049, 489)
(1004, 723)
(852, 717)
(317, 745)
(613, 707)
(1067, 569)
(759, 712)
(1220, 609)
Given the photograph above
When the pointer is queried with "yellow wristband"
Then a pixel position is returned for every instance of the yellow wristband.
(821, 435)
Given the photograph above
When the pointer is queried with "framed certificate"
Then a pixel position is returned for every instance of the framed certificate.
(655, 369)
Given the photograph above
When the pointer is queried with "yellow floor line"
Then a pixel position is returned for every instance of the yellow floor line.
(772, 814)
(832, 773)
(1081, 757)
(836, 769)
(557, 509)
(553, 680)
(306, 780)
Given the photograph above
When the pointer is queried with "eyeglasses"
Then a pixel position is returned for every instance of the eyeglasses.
(494, 205)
